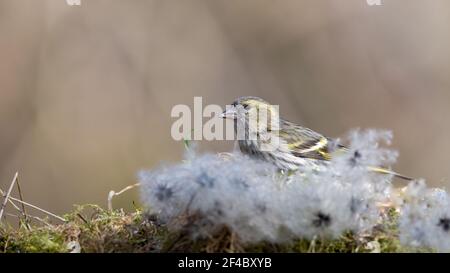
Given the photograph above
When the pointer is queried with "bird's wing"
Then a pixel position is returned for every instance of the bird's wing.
(306, 143)
(303, 142)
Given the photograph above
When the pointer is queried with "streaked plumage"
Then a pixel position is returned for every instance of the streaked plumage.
(297, 146)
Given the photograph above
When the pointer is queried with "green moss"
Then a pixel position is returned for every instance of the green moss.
(39, 240)
(94, 229)
(89, 226)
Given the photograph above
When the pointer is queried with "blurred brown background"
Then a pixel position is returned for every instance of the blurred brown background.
(86, 92)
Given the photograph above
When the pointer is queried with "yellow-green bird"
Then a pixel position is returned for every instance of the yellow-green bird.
(296, 146)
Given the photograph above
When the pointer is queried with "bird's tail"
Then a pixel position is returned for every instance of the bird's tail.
(385, 171)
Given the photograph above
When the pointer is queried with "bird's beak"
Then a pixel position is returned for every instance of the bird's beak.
(230, 113)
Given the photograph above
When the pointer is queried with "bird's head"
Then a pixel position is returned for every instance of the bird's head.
(252, 109)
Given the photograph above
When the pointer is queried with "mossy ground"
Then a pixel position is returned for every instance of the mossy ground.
(90, 228)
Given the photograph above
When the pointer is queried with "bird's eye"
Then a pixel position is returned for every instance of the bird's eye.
(245, 105)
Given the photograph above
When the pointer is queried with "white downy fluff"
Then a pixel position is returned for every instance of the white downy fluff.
(258, 203)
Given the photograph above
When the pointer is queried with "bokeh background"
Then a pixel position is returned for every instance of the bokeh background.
(86, 92)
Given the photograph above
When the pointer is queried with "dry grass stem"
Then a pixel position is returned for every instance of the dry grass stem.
(113, 193)
(8, 194)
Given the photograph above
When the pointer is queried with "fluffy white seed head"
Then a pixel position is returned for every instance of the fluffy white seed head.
(258, 203)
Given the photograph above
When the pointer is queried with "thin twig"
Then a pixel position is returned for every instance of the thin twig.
(8, 193)
(31, 216)
(16, 207)
(11, 202)
(38, 208)
(82, 218)
(22, 211)
(23, 206)
(113, 193)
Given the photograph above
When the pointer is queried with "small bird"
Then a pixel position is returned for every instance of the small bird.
(295, 146)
